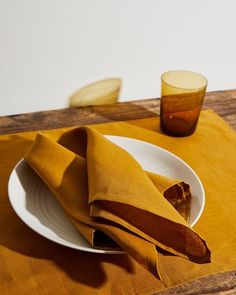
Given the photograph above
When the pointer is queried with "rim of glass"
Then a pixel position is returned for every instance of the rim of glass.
(190, 72)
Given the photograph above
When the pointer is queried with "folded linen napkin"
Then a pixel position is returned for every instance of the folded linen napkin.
(102, 187)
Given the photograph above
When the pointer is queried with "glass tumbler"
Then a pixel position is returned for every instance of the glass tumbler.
(182, 94)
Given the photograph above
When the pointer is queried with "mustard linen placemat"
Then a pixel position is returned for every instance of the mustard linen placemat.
(30, 264)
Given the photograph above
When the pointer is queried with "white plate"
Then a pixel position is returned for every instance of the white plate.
(35, 205)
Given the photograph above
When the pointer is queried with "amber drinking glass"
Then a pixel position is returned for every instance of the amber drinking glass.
(182, 94)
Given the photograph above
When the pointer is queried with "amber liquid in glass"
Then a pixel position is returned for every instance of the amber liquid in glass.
(180, 123)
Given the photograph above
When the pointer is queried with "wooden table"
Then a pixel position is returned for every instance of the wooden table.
(222, 102)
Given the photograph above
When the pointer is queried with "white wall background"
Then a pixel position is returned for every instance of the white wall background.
(50, 48)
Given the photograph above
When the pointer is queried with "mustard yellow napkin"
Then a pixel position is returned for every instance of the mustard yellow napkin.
(102, 186)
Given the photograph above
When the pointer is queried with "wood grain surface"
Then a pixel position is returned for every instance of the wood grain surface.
(223, 102)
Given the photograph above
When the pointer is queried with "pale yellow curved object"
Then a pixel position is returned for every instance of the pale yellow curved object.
(97, 93)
